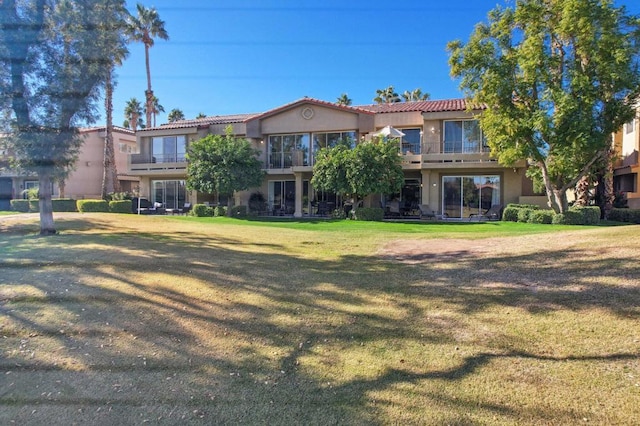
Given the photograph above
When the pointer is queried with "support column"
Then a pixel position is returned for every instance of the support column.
(426, 188)
(299, 190)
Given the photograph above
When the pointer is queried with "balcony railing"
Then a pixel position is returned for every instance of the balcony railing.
(155, 163)
(157, 158)
(285, 160)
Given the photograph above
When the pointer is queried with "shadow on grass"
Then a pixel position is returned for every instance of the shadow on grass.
(222, 334)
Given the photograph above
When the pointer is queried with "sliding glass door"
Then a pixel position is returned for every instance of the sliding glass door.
(463, 196)
(170, 193)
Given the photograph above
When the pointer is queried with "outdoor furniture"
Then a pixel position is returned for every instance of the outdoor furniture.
(185, 209)
(493, 213)
(426, 212)
(393, 208)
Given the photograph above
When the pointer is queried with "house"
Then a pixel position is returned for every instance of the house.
(445, 158)
(85, 181)
(626, 170)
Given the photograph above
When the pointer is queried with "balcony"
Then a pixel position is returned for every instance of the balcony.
(296, 160)
(164, 163)
(438, 154)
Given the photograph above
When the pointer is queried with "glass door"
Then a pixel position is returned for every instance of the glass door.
(464, 196)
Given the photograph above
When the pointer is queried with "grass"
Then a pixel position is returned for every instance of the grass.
(123, 320)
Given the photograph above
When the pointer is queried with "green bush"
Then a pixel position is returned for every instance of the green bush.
(34, 205)
(570, 217)
(201, 210)
(524, 206)
(369, 214)
(122, 206)
(219, 211)
(64, 205)
(21, 206)
(92, 206)
(510, 214)
(590, 214)
(257, 203)
(524, 213)
(338, 214)
(239, 211)
(541, 216)
(625, 215)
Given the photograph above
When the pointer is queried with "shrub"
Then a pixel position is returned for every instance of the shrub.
(34, 205)
(122, 206)
(338, 214)
(524, 206)
(625, 215)
(21, 206)
(541, 216)
(369, 214)
(201, 210)
(570, 217)
(119, 196)
(219, 211)
(64, 205)
(510, 214)
(524, 213)
(257, 202)
(92, 206)
(590, 214)
(239, 211)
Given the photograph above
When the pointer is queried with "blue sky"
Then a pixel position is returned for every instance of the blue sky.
(243, 56)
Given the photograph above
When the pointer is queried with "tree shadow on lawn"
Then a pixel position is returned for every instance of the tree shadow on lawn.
(255, 337)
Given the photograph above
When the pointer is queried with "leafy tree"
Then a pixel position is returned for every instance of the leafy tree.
(175, 115)
(344, 100)
(415, 95)
(223, 165)
(143, 28)
(54, 66)
(386, 96)
(369, 168)
(558, 78)
(133, 114)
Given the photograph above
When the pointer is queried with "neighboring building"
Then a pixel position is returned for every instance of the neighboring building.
(627, 168)
(446, 161)
(83, 182)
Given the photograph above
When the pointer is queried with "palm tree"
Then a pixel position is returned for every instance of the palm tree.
(201, 115)
(157, 109)
(175, 114)
(415, 95)
(133, 114)
(144, 28)
(344, 100)
(386, 96)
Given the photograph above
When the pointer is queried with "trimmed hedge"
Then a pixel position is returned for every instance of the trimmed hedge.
(21, 206)
(239, 211)
(122, 206)
(59, 205)
(523, 214)
(201, 210)
(625, 215)
(590, 214)
(511, 213)
(93, 206)
(541, 216)
(219, 211)
(64, 205)
(369, 214)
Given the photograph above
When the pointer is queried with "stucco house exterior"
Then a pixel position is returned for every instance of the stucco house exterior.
(446, 161)
(627, 168)
(85, 181)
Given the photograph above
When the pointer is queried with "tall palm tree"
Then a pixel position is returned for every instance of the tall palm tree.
(386, 96)
(143, 28)
(133, 114)
(344, 100)
(157, 109)
(175, 114)
(415, 95)
(116, 51)
(201, 115)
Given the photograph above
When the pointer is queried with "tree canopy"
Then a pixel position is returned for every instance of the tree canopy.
(175, 114)
(53, 69)
(369, 168)
(557, 78)
(223, 165)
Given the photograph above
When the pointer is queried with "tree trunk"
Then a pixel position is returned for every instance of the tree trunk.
(149, 92)
(609, 194)
(109, 172)
(45, 205)
(556, 198)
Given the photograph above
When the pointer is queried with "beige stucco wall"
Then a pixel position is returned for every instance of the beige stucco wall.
(322, 120)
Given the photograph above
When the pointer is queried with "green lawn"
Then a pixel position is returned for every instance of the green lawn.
(122, 319)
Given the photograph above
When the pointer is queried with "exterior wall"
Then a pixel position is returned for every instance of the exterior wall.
(320, 119)
(627, 170)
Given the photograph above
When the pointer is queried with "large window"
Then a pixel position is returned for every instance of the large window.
(463, 196)
(282, 196)
(333, 139)
(170, 193)
(169, 149)
(411, 141)
(463, 136)
(288, 150)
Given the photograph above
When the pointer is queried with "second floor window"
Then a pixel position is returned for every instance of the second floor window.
(169, 149)
(411, 141)
(463, 136)
(288, 150)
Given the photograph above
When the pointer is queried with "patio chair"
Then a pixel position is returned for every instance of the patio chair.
(493, 213)
(185, 209)
(426, 212)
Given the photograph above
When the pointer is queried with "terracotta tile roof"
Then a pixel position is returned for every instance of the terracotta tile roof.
(443, 105)
(313, 101)
(104, 128)
(203, 122)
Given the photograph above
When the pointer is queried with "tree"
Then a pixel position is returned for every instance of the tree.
(415, 95)
(219, 164)
(201, 115)
(156, 109)
(133, 113)
(558, 78)
(54, 67)
(143, 28)
(175, 114)
(117, 51)
(344, 100)
(369, 168)
(386, 96)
